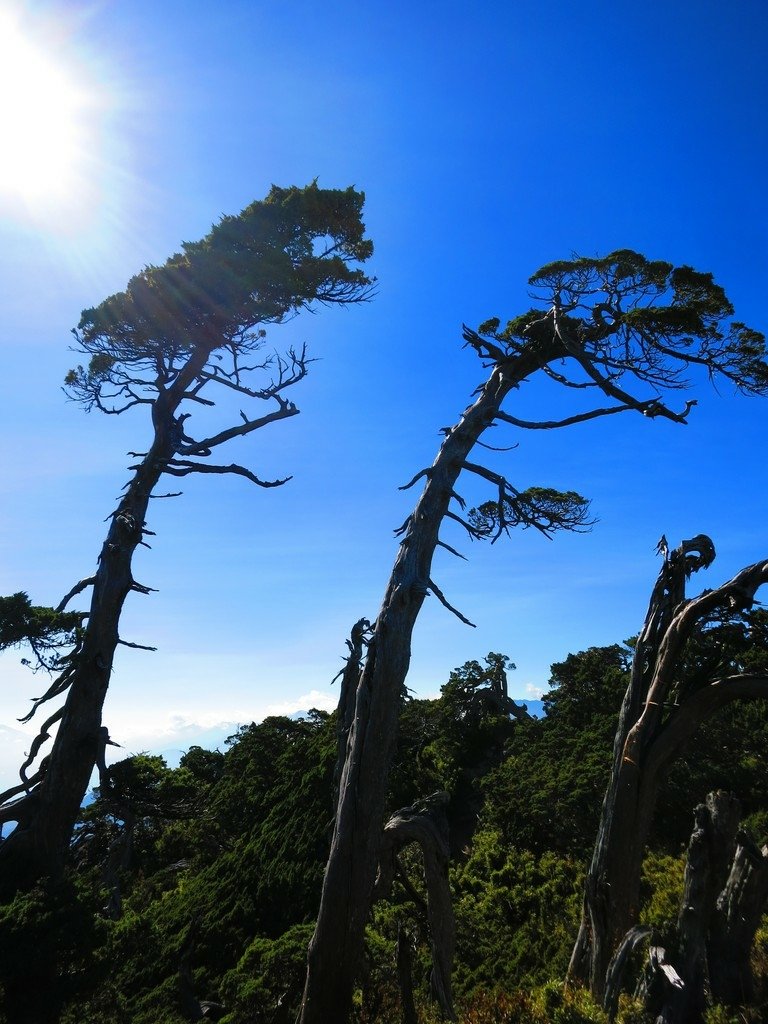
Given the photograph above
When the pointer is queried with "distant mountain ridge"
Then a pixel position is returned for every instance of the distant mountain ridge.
(535, 707)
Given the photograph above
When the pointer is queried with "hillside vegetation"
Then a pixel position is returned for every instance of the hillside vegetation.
(192, 891)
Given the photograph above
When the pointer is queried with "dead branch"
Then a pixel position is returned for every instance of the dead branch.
(77, 589)
(446, 604)
(183, 467)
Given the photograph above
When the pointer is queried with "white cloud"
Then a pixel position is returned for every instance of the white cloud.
(534, 692)
(313, 699)
(171, 734)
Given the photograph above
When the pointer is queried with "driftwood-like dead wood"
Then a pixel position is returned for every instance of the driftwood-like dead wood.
(614, 977)
(724, 896)
(737, 914)
(661, 712)
(710, 852)
(425, 823)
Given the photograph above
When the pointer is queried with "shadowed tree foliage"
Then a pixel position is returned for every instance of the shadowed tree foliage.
(179, 338)
(622, 329)
(44, 630)
(546, 794)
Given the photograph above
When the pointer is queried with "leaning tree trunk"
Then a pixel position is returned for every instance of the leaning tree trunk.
(336, 946)
(660, 713)
(46, 815)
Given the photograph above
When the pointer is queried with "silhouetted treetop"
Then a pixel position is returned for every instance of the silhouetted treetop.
(282, 254)
(623, 316)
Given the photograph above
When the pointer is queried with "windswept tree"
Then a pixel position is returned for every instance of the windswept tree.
(178, 336)
(627, 330)
(692, 657)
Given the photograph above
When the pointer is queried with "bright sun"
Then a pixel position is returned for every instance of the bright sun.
(42, 123)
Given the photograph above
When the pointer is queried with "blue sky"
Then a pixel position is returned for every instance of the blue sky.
(489, 139)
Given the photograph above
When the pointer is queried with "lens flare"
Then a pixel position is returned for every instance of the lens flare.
(43, 123)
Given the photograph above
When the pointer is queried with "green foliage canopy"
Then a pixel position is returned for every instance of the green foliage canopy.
(280, 255)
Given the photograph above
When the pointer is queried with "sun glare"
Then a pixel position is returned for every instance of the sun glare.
(43, 124)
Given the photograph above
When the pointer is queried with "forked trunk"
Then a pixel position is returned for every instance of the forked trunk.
(661, 711)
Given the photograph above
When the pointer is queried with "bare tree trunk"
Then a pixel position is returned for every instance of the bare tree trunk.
(740, 906)
(426, 824)
(709, 853)
(336, 946)
(660, 713)
(46, 815)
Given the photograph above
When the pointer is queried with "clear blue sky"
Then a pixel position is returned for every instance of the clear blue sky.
(489, 139)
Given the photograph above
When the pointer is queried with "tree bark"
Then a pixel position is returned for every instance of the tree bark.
(45, 818)
(336, 946)
(657, 719)
(740, 906)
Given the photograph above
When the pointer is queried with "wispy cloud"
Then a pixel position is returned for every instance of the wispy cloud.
(305, 702)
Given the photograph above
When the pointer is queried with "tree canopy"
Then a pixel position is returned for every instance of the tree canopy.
(605, 322)
(279, 256)
(176, 334)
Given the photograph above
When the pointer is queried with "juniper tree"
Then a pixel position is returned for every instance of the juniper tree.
(621, 328)
(180, 335)
(684, 670)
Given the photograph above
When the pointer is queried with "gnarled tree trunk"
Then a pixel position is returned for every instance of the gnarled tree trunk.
(735, 920)
(661, 711)
(336, 946)
(426, 824)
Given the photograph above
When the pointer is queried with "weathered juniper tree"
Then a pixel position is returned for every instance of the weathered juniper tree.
(622, 327)
(683, 671)
(179, 335)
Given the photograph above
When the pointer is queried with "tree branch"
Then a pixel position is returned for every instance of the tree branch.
(648, 408)
(136, 647)
(285, 410)
(453, 551)
(77, 589)
(446, 604)
(181, 467)
(422, 474)
(569, 421)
